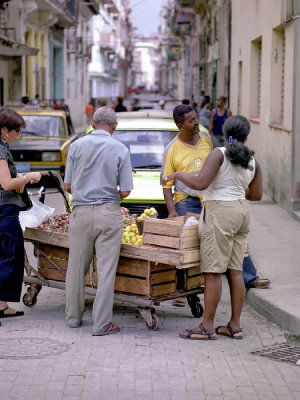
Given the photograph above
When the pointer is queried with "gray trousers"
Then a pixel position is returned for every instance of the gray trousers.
(99, 229)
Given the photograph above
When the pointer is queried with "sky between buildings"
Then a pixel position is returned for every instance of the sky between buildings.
(146, 15)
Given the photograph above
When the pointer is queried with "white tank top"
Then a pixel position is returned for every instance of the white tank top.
(230, 182)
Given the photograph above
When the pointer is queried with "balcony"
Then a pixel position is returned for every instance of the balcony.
(112, 5)
(107, 41)
(89, 8)
(65, 11)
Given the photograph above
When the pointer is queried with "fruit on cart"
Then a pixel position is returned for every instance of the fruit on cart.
(128, 219)
(147, 212)
(58, 223)
(131, 235)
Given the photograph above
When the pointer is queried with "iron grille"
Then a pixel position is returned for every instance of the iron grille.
(285, 352)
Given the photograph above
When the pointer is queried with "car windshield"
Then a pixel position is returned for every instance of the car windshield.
(146, 147)
(43, 125)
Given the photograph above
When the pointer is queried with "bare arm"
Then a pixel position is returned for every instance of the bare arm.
(67, 187)
(255, 189)
(207, 174)
(229, 113)
(169, 201)
(211, 123)
(9, 183)
(124, 194)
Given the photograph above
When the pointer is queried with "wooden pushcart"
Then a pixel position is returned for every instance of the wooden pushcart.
(165, 267)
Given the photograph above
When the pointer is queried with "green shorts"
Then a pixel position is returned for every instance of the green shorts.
(223, 229)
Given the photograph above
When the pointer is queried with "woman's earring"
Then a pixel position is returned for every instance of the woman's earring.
(4, 141)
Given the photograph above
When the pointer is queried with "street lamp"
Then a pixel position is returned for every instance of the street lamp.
(184, 24)
(184, 31)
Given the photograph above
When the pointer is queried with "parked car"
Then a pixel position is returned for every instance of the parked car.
(146, 134)
(44, 142)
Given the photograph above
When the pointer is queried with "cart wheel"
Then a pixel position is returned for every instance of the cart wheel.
(195, 306)
(30, 297)
(150, 317)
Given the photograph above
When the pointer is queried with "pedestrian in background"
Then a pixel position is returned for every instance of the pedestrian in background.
(36, 100)
(89, 111)
(11, 235)
(119, 105)
(204, 112)
(217, 119)
(229, 176)
(99, 176)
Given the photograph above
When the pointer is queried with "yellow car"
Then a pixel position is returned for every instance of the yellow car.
(44, 143)
(146, 134)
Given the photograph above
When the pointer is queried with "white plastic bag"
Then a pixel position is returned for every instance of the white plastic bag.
(191, 221)
(36, 215)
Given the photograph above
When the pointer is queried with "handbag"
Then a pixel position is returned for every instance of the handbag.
(26, 199)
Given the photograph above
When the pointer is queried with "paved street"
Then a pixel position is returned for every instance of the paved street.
(138, 363)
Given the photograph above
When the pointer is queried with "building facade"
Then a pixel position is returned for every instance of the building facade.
(111, 51)
(37, 55)
(265, 87)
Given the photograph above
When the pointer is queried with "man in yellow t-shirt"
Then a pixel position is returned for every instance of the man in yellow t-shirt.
(187, 153)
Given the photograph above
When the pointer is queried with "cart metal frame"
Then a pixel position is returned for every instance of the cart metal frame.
(145, 306)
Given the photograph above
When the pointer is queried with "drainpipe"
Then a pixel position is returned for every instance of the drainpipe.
(295, 182)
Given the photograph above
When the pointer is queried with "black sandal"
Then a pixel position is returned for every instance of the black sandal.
(16, 314)
(232, 333)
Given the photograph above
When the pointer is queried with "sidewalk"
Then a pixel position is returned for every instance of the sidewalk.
(274, 245)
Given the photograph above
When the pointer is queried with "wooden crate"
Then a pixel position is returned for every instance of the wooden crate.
(181, 259)
(194, 278)
(170, 233)
(140, 277)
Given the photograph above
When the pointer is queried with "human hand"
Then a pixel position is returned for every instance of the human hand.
(168, 178)
(33, 177)
(20, 189)
(173, 214)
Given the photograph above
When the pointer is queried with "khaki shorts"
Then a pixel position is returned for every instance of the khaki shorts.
(223, 229)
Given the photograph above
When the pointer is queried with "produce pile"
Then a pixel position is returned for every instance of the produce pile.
(127, 218)
(60, 224)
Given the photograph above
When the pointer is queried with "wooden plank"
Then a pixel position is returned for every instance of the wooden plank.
(131, 285)
(191, 230)
(133, 267)
(159, 267)
(187, 266)
(194, 282)
(162, 241)
(194, 271)
(168, 276)
(190, 256)
(43, 262)
(189, 242)
(163, 226)
(55, 251)
(166, 289)
(56, 239)
(155, 254)
(52, 274)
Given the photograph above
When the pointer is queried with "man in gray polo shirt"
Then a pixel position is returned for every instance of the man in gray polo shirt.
(99, 175)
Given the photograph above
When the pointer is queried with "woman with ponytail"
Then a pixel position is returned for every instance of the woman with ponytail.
(229, 176)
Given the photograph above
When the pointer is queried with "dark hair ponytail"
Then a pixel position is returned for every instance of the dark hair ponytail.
(236, 129)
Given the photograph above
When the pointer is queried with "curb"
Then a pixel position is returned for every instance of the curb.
(268, 309)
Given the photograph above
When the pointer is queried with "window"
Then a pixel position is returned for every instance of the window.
(255, 76)
(240, 81)
(277, 77)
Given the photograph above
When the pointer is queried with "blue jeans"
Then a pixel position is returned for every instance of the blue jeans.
(11, 254)
(193, 205)
(190, 204)
(249, 272)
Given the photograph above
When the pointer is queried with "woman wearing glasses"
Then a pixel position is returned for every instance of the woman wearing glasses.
(11, 235)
